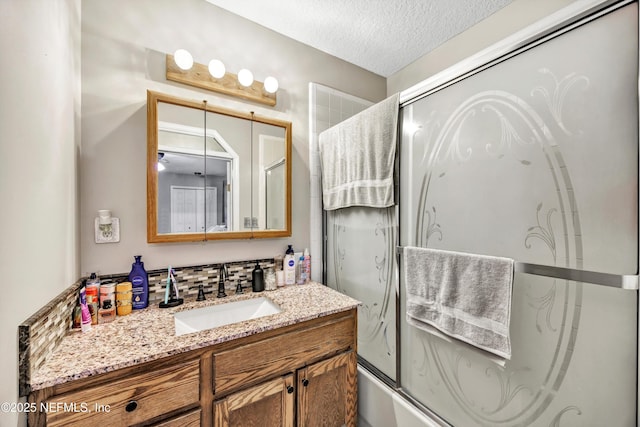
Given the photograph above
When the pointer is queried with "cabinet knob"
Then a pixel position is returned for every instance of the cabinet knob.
(289, 389)
(131, 406)
(305, 382)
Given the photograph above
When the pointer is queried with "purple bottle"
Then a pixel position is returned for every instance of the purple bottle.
(139, 284)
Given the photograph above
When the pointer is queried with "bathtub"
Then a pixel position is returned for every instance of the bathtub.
(381, 406)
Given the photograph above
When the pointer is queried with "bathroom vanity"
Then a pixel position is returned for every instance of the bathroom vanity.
(296, 367)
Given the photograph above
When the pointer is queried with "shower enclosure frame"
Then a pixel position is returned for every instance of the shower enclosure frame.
(563, 21)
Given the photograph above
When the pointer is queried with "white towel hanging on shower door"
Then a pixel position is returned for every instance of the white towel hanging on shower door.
(357, 158)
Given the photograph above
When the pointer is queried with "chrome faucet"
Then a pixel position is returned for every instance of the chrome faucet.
(223, 276)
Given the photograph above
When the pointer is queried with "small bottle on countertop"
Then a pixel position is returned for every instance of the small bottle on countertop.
(107, 292)
(123, 298)
(279, 271)
(302, 275)
(307, 265)
(107, 313)
(289, 267)
(140, 284)
(85, 313)
(76, 317)
(279, 278)
(270, 280)
(257, 279)
(91, 294)
(93, 284)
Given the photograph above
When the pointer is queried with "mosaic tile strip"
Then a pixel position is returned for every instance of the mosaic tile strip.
(44, 330)
(190, 278)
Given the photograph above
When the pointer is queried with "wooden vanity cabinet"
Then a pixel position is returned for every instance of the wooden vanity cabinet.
(269, 404)
(189, 419)
(327, 392)
(130, 399)
(303, 374)
(322, 358)
(324, 394)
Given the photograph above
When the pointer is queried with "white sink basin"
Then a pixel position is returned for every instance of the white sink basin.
(200, 319)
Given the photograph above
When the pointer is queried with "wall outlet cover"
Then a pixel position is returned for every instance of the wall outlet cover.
(112, 236)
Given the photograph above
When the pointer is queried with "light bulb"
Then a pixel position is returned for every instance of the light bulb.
(271, 84)
(216, 68)
(245, 77)
(183, 59)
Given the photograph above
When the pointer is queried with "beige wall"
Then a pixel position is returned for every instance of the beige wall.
(47, 244)
(39, 108)
(123, 47)
(496, 27)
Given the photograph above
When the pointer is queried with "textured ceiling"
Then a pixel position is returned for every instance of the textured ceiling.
(381, 36)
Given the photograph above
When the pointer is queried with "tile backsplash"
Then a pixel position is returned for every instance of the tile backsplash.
(42, 332)
(190, 278)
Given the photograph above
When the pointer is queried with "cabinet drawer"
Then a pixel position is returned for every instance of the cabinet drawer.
(130, 400)
(253, 363)
(190, 419)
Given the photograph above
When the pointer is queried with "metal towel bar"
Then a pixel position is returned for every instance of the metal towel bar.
(622, 281)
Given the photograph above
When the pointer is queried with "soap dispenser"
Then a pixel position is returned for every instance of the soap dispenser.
(257, 278)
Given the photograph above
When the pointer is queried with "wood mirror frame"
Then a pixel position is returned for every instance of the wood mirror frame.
(153, 236)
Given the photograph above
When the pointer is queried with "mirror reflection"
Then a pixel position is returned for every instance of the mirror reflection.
(215, 174)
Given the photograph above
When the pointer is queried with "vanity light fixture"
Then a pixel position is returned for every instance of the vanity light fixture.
(217, 69)
(183, 58)
(245, 77)
(271, 84)
(181, 68)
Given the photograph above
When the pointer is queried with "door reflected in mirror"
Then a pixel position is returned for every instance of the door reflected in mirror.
(214, 173)
(273, 195)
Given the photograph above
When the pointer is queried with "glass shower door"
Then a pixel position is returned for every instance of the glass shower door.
(542, 168)
(361, 263)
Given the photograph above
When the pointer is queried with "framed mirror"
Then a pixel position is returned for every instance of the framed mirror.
(215, 173)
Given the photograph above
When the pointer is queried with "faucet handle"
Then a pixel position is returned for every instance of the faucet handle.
(201, 296)
(239, 287)
(223, 276)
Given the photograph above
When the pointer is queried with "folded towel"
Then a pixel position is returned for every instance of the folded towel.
(465, 296)
(357, 158)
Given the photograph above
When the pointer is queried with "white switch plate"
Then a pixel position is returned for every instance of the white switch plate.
(115, 231)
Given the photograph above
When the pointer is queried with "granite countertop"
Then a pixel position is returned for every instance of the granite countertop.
(149, 334)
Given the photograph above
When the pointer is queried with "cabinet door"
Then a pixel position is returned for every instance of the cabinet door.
(270, 404)
(327, 392)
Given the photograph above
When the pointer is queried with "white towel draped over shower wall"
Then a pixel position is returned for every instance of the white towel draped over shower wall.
(357, 158)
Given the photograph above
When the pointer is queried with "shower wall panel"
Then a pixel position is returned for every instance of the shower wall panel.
(327, 108)
(361, 263)
(534, 158)
(359, 242)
